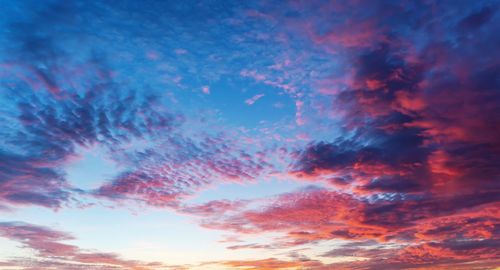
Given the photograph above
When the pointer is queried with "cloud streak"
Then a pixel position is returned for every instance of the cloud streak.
(52, 252)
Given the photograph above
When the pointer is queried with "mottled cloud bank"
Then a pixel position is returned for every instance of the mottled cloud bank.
(164, 177)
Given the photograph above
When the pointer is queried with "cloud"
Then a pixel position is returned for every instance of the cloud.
(52, 252)
(254, 99)
(401, 103)
(249, 246)
(49, 129)
(217, 207)
(205, 90)
(477, 19)
(55, 110)
(166, 175)
(270, 264)
(27, 180)
(454, 254)
(385, 224)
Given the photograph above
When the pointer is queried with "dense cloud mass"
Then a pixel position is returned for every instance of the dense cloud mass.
(416, 165)
(384, 115)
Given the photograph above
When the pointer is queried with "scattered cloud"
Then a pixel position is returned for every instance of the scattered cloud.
(254, 99)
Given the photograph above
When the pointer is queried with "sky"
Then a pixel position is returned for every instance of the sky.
(249, 135)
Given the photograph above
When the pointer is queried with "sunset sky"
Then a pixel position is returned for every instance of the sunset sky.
(249, 135)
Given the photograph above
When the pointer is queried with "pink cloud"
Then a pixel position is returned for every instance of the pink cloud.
(254, 99)
(252, 74)
(205, 90)
(47, 243)
(299, 118)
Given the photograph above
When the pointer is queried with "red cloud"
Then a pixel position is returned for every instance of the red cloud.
(432, 230)
(271, 264)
